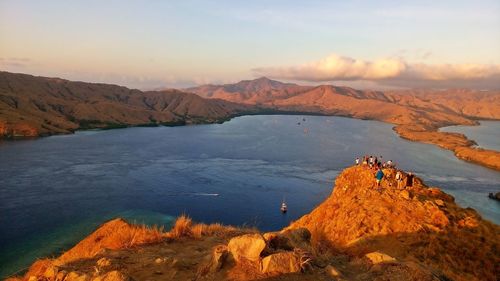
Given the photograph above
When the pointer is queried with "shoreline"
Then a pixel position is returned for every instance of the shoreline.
(462, 147)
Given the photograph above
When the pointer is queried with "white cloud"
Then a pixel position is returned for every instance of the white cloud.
(390, 71)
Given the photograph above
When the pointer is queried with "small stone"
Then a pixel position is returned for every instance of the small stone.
(378, 257)
(439, 202)
(159, 260)
(332, 271)
(103, 262)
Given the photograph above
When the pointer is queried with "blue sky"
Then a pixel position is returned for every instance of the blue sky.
(148, 44)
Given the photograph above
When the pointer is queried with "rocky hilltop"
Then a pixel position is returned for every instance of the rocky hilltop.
(34, 106)
(360, 232)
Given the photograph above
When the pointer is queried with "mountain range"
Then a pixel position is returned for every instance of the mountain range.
(36, 106)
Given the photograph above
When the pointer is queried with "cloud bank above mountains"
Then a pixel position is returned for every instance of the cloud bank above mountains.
(390, 71)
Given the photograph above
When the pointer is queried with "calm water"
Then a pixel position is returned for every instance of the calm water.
(56, 190)
(487, 135)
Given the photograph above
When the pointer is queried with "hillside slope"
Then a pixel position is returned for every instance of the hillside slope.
(417, 114)
(33, 106)
(418, 224)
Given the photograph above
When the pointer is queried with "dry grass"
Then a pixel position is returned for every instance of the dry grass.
(184, 227)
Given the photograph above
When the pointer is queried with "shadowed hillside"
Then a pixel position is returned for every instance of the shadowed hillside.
(33, 106)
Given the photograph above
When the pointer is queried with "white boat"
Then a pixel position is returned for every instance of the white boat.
(283, 207)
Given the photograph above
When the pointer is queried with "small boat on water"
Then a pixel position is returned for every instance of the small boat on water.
(283, 208)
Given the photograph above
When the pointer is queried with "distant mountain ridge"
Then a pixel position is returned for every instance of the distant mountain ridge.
(417, 114)
(36, 106)
(257, 91)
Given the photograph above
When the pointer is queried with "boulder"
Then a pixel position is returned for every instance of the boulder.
(248, 246)
(285, 262)
(378, 257)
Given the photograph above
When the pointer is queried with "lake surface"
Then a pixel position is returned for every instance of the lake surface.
(54, 191)
(487, 135)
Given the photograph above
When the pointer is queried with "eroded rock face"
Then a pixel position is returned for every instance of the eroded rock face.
(248, 246)
(285, 262)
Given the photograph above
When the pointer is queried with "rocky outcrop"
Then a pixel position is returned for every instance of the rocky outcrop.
(418, 223)
(248, 247)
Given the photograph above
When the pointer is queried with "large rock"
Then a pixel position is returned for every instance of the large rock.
(377, 257)
(248, 246)
(285, 262)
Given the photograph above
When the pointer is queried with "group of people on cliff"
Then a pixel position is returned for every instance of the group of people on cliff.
(376, 163)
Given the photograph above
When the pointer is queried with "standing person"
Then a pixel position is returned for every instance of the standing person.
(389, 163)
(399, 179)
(365, 160)
(379, 176)
(370, 161)
(409, 180)
(357, 161)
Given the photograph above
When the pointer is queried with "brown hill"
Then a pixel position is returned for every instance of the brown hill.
(418, 114)
(33, 106)
(418, 224)
(256, 92)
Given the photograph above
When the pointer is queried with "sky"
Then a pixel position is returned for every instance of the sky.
(155, 44)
